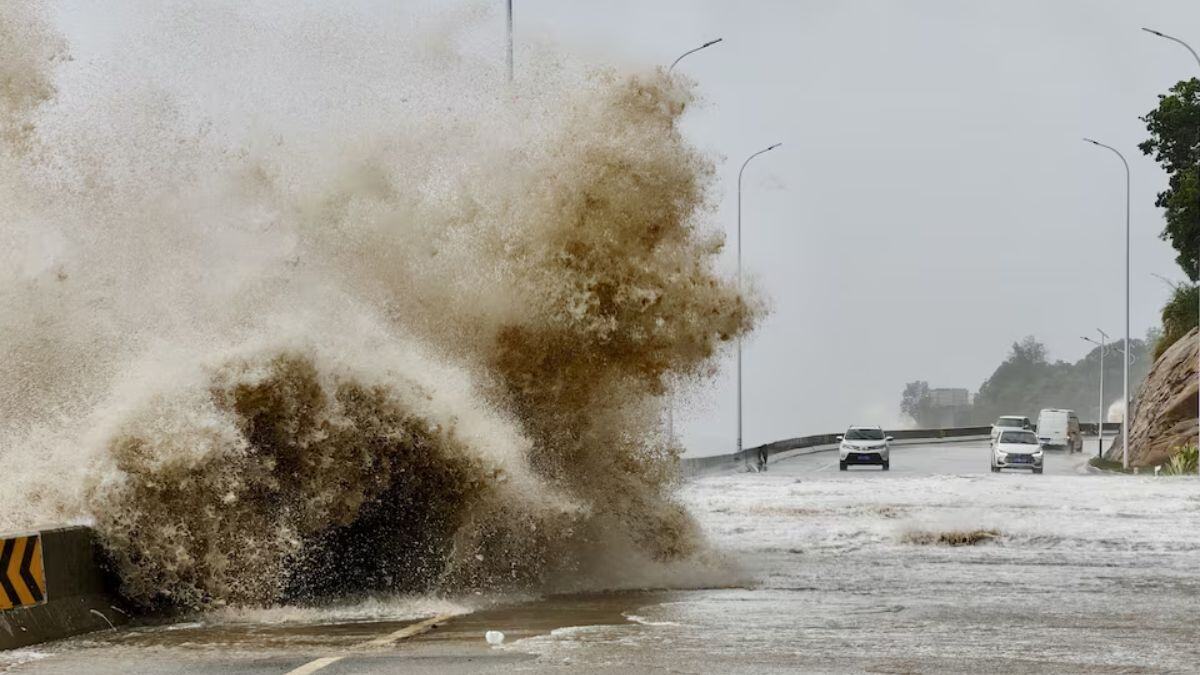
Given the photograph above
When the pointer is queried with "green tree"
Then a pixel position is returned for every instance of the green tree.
(1027, 381)
(1009, 390)
(916, 402)
(1174, 141)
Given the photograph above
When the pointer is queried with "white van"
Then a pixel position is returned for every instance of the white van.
(1058, 428)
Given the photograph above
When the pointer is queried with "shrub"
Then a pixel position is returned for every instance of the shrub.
(1182, 462)
(1178, 317)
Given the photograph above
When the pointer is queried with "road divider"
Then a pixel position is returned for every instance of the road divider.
(52, 586)
(696, 466)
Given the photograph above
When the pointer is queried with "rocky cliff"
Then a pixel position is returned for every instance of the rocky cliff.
(1165, 407)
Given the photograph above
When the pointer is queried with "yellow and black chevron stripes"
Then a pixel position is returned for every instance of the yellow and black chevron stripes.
(22, 577)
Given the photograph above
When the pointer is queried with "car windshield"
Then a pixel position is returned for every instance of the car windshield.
(1010, 422)
(1022, 437)
(864, 435)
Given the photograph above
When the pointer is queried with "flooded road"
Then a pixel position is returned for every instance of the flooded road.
(1069, 571)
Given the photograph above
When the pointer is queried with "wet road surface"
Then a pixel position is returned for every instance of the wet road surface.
(1070, 571)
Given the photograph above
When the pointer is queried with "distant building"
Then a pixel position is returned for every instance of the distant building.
(949, 407)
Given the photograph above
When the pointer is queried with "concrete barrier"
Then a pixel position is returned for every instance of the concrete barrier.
(695, 466)
(76, 593)
(1089, 428)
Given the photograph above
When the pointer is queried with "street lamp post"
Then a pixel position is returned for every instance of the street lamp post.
(761, 464)
(1175, 40)
(692, 51)
(1125, 378)
(1197, 57)
(510, 41)
(670, 404)
(1100, 419)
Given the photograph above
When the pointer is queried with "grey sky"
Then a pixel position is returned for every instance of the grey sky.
(933, 201)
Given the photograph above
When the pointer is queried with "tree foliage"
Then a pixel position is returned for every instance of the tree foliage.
(1174, 142)
(917, 403)
(1026, 382)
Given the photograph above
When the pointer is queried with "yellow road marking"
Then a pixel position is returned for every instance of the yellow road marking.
(408, 631)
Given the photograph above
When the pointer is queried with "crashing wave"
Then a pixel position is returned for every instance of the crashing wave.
(351, 327)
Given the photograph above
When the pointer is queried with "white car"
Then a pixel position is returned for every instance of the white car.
(1017, 449)
(1010, 422)
(864, 445)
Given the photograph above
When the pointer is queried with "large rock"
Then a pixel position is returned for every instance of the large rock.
(1165, 408)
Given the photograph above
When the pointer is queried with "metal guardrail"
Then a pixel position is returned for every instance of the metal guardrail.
(695, 466)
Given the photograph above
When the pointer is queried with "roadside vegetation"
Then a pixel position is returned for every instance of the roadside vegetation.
(1182, 463)
(1178, 317)
(1174, 142)
(1108, 465)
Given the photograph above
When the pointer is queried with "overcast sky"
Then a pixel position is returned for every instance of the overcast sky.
(932, 202)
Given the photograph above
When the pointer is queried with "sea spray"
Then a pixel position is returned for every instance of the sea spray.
(288, 322)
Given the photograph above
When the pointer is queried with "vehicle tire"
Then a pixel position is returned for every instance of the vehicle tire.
(1037, 470)
(841, 466)
(995, 469)
(887, 465)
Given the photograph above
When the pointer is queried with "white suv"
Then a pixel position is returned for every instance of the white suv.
(864, 445)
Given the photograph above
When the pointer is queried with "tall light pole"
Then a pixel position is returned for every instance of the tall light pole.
(1197, 57)
(1175, 40)
(692, 51)
(1125, 396)
(739, 286)
(670, 403)
(510, 42)
(1100, 419)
